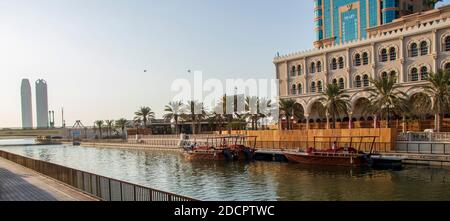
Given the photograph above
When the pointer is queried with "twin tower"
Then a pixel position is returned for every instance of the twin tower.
(41, 104)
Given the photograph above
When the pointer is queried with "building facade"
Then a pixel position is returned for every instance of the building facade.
(339, 21)
(27, 112)
(41, 104)
(408, 48)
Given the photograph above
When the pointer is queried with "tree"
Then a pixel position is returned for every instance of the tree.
(174, 110)
(386, 97)
(438, 89)
(109, 127)
(122, 123)
(195, 113)
(266, 111)
(222, 109)
(100, 124)
(287, 109)
(216, 119)
(145, 114)
(335, 102)
(253, 109)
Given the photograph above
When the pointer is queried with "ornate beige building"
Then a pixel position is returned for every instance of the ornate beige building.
(409, 48)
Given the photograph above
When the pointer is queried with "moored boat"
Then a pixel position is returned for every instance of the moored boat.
(345, 156)
(221, 148)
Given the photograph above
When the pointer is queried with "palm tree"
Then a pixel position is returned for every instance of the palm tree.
(99, 124)
(192, 109)
(438, 89)
(335, 102)
(431, 3)
(174, 110)
(216, 119)
(266, 112)
(145, 114)
(109, 127)
(256, 115)
(287, 108)
(385, 97)
(222, 108)
(122, 123)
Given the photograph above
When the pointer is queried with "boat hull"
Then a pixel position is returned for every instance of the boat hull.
(327, 159)
(220, 155)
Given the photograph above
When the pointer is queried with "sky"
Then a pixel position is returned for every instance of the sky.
(93, 53)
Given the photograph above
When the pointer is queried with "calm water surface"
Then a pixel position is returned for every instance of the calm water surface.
(266, 181)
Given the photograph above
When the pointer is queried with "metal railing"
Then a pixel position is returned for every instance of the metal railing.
(104, 188)
(423, 148)
(424, 136)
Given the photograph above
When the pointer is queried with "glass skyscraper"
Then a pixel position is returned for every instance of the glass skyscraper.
(339, 21)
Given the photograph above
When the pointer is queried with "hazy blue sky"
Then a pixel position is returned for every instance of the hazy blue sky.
(92, 53)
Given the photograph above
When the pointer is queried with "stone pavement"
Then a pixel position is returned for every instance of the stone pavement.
(18, 183)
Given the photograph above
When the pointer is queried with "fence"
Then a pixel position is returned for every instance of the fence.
(423, 147)
(423, 136)
(105, 188)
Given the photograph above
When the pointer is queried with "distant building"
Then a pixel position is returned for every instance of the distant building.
(27, 112)
(340, 21)
(41, 104)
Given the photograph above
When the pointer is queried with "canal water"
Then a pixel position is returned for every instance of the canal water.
(260, 181)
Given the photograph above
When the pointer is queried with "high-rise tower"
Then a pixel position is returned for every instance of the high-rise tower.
(27, 112)
(41, 104)
(340, 21)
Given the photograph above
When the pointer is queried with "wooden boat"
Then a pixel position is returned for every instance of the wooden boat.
(221, 148)
(46, 140)
(345, 156)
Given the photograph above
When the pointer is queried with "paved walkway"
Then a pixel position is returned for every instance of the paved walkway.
(18, 183)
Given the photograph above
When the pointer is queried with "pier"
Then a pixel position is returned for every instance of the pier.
(18, 183)
(97, 186)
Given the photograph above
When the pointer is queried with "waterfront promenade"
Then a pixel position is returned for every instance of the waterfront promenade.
(18, 183)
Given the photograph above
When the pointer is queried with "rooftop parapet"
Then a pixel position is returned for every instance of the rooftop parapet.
(388, 35)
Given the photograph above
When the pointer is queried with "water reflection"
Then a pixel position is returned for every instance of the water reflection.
(209, 180)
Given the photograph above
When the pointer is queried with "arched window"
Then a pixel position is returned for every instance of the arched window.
(423, 48)
(357, 60)
(384, 56)
(294, 91)
(365, 58)
(392, 54)
(413, 50)
(313, 67)
(300, 70)
(313, 87)
(319, 66)
(358, 81)
(366, 80)
(393, 75)
(319, 86)
(341, 62)
(447, 43)
(414, 75)
(334, 81)
(384, 75)
(423, 73)
(447, 66)
(341, 83)
(300, 89)
(293, 71)
(334, 64)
